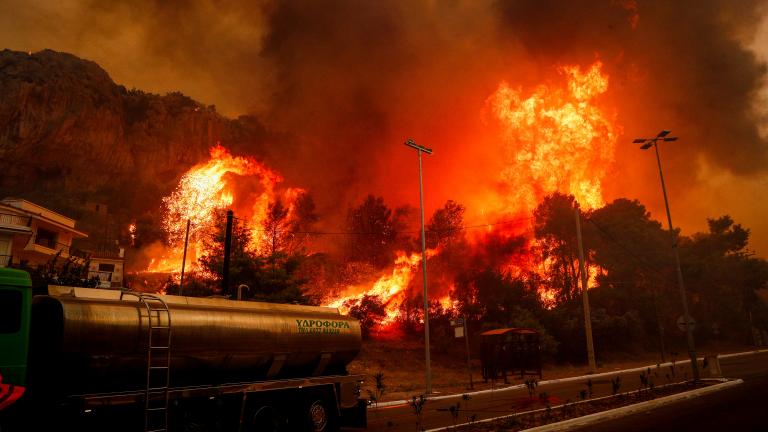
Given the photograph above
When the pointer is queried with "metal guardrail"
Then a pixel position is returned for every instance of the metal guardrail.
(14, 219)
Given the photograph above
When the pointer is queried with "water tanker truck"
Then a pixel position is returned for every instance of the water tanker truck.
(93, 359)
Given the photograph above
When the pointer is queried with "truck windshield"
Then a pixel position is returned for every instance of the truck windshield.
(10, 311)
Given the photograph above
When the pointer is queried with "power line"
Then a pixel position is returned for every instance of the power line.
(605, 234)
(462, 228)
(631, 253)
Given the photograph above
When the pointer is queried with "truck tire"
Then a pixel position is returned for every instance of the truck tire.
(265, 419)
(321, 414)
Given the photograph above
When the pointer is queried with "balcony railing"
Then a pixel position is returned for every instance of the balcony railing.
(5, 260)
(50, 243)
(14, 219)
(99, 249)
(56, 246)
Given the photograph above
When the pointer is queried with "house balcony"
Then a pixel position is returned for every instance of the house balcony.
(15, 224)
(48, 246)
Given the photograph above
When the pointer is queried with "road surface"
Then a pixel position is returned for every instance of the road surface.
(741, 408)
(753, 368)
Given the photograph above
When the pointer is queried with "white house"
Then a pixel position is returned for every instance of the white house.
(108, 267)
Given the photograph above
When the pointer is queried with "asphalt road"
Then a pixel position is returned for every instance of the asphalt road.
(752, 368)
(741, 408)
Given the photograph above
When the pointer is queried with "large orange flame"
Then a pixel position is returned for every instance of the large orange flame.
(555, 139)
(390, 288)
(208, 188)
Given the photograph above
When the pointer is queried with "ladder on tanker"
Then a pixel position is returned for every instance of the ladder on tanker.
(158, 361)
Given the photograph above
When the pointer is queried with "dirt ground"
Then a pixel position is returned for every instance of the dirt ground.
(402, 364)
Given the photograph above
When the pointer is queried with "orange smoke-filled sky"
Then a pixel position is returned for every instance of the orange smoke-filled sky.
(347, 81)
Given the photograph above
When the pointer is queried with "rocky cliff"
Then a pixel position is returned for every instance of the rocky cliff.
(69, 134)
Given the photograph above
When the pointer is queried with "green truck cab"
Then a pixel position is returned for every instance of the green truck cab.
(15, 307)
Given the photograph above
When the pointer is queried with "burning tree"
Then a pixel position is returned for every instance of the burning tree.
(268, 242)
(446, 225)
(376, 231)
(369, 309)
(556, 148)
(270, 277)
(285, 229)
(556, 242)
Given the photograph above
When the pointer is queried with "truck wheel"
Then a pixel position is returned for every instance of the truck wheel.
(266, 419)
(321, 415)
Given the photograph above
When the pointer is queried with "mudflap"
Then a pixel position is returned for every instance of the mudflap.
(355, 417)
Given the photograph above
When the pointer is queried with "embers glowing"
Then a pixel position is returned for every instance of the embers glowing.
(204, 189)
(210, 187)
(132, 233)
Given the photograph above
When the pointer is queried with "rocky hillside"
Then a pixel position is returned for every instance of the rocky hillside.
(69, 134)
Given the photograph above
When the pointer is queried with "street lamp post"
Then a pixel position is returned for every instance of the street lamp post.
(419, 149)
(646, 144)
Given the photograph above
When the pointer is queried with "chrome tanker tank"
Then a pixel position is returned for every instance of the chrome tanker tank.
(92, 341)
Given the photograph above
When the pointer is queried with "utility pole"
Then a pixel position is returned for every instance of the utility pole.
(585, 295)
(653, 142)
(469, 359)
(660, 326)
(227, 251)
(184, 258)
(419, 149)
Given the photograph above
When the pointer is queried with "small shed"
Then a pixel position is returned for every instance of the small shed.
(510, 351)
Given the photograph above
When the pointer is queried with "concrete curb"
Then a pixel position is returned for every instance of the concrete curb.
(613, 413)
(562, 380)
(758, 351)
(452, 395)
(632, 409)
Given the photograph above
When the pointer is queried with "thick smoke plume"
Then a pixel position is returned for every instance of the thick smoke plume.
(345, 82)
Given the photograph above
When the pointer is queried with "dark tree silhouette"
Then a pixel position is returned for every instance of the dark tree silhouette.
(271, 278)
(374, 232)
(446, 225)
(555, 229)
(369, 310)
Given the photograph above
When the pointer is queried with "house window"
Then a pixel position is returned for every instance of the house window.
(46, 238)
(10, 311)
(106, 267)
